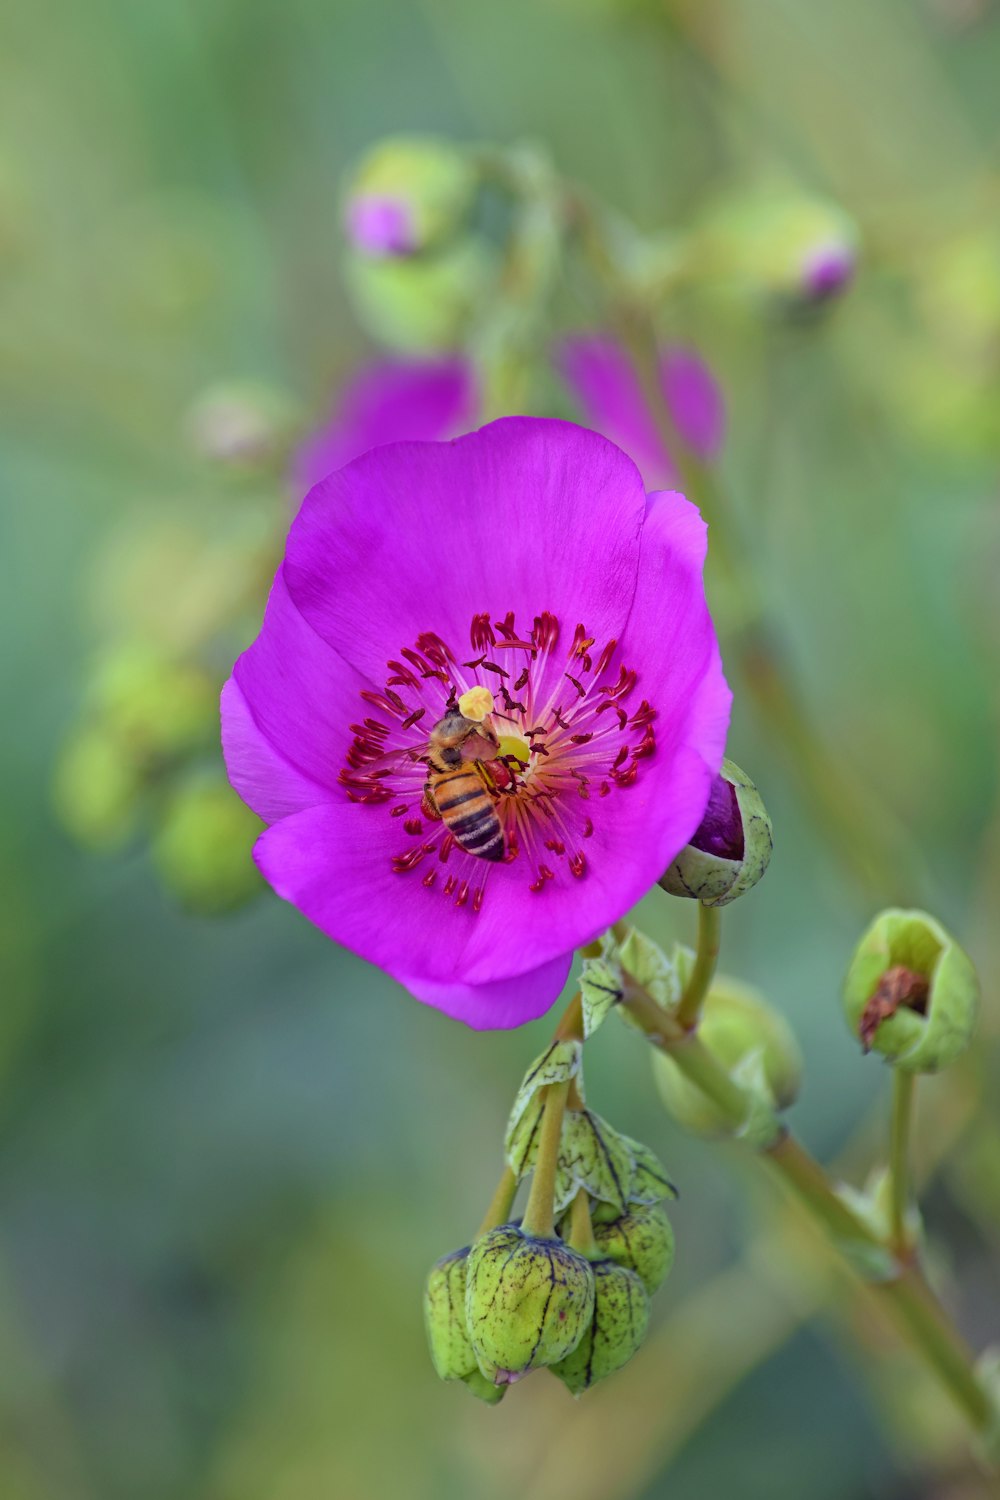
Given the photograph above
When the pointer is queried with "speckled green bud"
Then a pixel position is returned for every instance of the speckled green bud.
(751, 1041)
(911, 992)
(528, 1302)
(730, 850)
(615, 1332)
(444, 1317)
(642, 1240)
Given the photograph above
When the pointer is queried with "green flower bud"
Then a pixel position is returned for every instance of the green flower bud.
(202, 847)
(156, 705)
(528, 1302)
(408, 194)
(423, 305)
(751, 1041)
(730, 850)
(614, 1334)
(241, 423)
(911, 992)
(97, 788)
(642, 1240)
(772, 243)
(444, 1316)
(447, 1329)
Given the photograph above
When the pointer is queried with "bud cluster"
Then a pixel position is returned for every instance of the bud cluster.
(566, 1290)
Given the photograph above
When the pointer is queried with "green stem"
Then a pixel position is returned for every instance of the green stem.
(709, 932)
(581, 1232)
(501, 1203)
(904, 1291)
(899, 1151)
(539, 1219)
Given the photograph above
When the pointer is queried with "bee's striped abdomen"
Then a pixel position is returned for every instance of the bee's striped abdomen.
(467, 812)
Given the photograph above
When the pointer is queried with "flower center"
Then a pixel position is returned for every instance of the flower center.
(517, 793)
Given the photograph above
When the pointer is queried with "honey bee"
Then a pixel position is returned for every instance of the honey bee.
(459, 786)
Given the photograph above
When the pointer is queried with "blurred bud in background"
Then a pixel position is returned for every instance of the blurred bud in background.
(747, 1037)
(730, 850)
(425, 304)
(911, 992)
(242, 423)
(786, 247)
(408, 195)
(202, 845)
(156, 704)
(97, 787)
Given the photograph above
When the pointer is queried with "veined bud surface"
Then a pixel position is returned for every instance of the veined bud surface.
(615, 1332)
(447, 1329)
(748, 1038)
(911, 992)
(732, 847)
(408, 194)
(528, 1302)
(642, 1240)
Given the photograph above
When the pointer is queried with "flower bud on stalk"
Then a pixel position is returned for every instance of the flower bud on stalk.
(529, 1302)
(732, 847)
(408, 193)
(911, 992)
(422, 305)
(751, 1041)
(614, 1334)
(447, 1328)
(641, 1240)
(201, 846)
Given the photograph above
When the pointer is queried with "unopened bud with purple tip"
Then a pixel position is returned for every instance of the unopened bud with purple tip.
(408, 194)
(731, 848)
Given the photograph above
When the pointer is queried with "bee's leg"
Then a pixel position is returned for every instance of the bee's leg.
(427, 804)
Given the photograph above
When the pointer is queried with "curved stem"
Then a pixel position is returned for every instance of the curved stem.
(903, 1289)
(899, 1151)
(706, 957)
(538, 1215)
(501, 1203)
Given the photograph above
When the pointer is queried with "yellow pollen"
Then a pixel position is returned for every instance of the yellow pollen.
(512, 744)
(476, 704)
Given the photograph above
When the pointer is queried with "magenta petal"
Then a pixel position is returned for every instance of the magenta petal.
(296, 688)
(265, 780)
(526, 515)
(499, 1004)
(605, 380)
(333, 863)
(395, 401)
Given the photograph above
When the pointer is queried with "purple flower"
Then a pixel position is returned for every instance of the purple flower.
(608, 388)
(390, 402)
(527, 559)
(378, 224)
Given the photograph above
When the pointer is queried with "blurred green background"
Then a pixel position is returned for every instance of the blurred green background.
(228, 1151)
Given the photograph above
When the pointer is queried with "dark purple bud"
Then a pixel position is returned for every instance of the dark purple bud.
(721, 829)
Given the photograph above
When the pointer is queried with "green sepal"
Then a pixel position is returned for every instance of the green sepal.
(913, 1041)
(444, 1317)
(649, 1182)
(651, 967)
(592, 1155)
(761, 1128)
(615, 1333)
(600, 986)
(642, 1239)
(528, 1301)
(557, 1064)
(873, 1205)
(872, 1262)
(483, 1389)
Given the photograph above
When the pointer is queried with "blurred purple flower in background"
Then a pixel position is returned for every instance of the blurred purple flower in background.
(607, 385)
(525, 558)
(390, 402)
